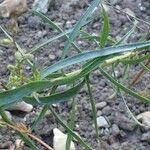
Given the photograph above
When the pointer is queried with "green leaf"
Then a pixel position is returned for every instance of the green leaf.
(124, 39)
(78, 26)
(71, 123)
(54, 26)
(92, 101)
(11, 96)
(55, 98)
(52, 39)
(122, 87)
(105, 30)
(93, 54)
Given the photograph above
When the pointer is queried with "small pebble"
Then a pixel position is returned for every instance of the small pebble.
(101, 122)
(61, 88)
(106, 110)
(21, 106)
(59, 140)
(115, 129)
(101, 105)
(99, 113)
(52, 57)
(146, 137)
(145, 119)
(34, 22)
(5, 145)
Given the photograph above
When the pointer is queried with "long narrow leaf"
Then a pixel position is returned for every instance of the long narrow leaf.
(55, 26)
(105, 30)
(10, 96)
(71, 124)
(122, 87)
(78, 26)
(124, 39)
(55, 98)
(94, 111)
(47, 41)
(93, 54)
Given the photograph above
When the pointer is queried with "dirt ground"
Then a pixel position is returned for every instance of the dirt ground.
(123, 133)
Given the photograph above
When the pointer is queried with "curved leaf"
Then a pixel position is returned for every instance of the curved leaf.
(10, 96)
(122, 87)
(124, 39)
(78, 26)
(105, 30)
(55, 98)
(93, 54)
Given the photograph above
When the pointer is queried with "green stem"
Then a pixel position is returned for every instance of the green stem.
(71, 124)
(43, 112)
(94, 111)
(87, 147)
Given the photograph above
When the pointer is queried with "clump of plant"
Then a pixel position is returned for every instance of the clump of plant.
(28, 88)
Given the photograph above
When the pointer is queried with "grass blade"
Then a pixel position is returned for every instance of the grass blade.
(122, 87)
(124, 39)
(105, 29)
(94, 111)
(55, 98)
(11, 96)
(93, 54)
(55, 26)
(78, 26)
(71, 124)
(87, 147)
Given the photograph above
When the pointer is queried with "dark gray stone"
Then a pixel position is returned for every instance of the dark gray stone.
(34, 22)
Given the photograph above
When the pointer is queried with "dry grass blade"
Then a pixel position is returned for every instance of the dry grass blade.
(140, 73)
(23, 129)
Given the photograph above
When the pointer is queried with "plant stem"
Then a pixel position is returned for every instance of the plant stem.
(94, 111)
(69, 130)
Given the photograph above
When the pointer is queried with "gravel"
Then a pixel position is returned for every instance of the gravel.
(118, 130)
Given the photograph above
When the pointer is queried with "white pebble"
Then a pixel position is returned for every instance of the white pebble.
(59, 142)
(145, 119)
(101, 122)
(101, 105)
(21, 106)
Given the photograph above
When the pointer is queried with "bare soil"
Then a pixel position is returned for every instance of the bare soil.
(32, 31)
